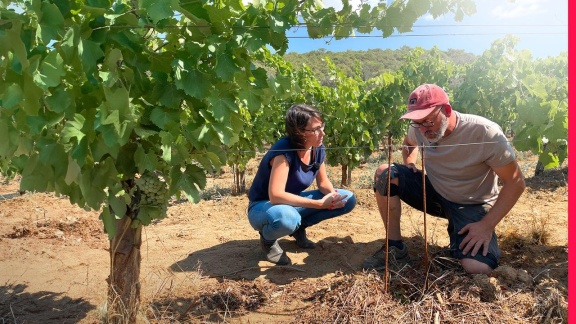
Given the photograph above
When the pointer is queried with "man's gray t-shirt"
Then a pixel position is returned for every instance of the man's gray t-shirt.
(459, 166)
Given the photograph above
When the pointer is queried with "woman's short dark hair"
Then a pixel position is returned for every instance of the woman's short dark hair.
(297, 118)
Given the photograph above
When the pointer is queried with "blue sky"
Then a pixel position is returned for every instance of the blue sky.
(541, 25)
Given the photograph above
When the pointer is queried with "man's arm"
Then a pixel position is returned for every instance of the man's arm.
(480, 233)
(513, 186)
(409, 153)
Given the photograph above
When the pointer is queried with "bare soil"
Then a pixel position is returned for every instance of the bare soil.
(202, 263)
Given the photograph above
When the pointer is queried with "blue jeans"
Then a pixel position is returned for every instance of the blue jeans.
(410, 191)
(276, 221)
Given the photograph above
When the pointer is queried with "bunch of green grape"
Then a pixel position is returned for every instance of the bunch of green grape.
(153, 191)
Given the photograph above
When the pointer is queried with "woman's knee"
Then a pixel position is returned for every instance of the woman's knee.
(350, 199)
(285, 220)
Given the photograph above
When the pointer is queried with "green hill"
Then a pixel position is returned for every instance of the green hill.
(373, 62)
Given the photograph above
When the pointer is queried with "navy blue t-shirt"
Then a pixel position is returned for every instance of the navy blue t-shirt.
(300, 175)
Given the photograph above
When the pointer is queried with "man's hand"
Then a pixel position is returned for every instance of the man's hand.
(479, 235)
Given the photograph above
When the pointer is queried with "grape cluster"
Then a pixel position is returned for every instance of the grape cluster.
(153, 191)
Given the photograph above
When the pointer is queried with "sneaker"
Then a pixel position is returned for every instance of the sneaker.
(396, 257)
(301, 239)
(274, 252)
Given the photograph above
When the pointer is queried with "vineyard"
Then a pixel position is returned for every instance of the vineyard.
(119, 106)
(203, 264)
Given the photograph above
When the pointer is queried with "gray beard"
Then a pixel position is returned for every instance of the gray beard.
(441, 131)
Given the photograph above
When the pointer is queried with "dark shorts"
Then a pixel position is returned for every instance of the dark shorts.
(410, 191)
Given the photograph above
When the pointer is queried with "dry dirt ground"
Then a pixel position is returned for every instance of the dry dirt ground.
(203, 264)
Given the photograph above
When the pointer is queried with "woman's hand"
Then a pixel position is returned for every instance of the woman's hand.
(333, 200)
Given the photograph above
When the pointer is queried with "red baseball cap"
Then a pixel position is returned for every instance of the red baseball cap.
(424, 99)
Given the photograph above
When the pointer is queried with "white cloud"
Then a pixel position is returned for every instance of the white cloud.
(520, 8)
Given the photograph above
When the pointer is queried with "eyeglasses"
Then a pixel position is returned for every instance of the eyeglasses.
(317, 129)
(426, 123)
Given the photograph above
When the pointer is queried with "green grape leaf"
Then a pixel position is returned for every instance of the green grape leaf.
(191, 181)
(98, 179)
(194, 82)
(12, 96)
(109, 221)
(12, 40)
(5, 134)
(225, 66)
(54, 155)
(251, 97)
(159, 9)
(145, 161)
(146, 214)
(222, 105)
(118, 101)
(557, 128)
(32, 99)
(225, 133)
(149, 213)
(70, 41)
(35, 175)
(118, 205)
(90, 53)
(164, 118)
(51, 23)
(61, 100)
(73, 129)
(532, 112)
(171, 97)
(51, 71)
(110, 136)
(549, 160)
(72, 172)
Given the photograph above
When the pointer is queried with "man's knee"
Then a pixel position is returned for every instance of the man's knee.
(381, 180)
(473, 266)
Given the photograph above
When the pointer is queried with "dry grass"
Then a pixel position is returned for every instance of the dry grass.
(451, 297)
(209, 302)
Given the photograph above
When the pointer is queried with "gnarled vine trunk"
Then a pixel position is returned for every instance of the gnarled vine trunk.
(239, 180)
(346, 179)
(124, 279)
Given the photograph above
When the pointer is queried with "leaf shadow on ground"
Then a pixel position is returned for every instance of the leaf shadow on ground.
(549, 180)
(18, 306)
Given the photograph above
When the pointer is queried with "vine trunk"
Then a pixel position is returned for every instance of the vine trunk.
(124, 279)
